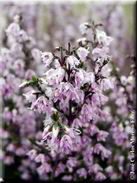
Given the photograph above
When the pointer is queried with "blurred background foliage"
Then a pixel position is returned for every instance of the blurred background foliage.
(77, 10)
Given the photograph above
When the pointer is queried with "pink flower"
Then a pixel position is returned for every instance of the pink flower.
(13, 29)
(32, 154)
(30, 96)
(102, 38)
(40, 158)
(47, 58)
(82, 53)
(100, 176)
(100, 54)
(72, 62)
(66, 142)
(41, 105)
(84, 27)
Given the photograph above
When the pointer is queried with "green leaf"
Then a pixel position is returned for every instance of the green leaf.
(55, 117)
(34, 80)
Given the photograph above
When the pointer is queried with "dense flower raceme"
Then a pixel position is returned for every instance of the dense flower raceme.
(16, 61)
(72, 99)
(80, 135)
(122, 103)
(68, 99)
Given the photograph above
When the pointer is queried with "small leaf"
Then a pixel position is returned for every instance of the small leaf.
(34, 79)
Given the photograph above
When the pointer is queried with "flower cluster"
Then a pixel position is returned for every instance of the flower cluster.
(15, 65)
(72, 98)
(65, 111)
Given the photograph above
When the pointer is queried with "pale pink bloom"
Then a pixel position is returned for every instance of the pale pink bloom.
(106, 84)
(13, 29)
(11, 147)
(84, 28)
(30, 96)
(72, 62)
(54, 76)
(32, 154)
(82, 53)
(47, 58)
(102, 38)
(100, 176)
(8, 160)
(20, 151)
(25, 176)
(40, 158)
(100, 54)
(66, 142)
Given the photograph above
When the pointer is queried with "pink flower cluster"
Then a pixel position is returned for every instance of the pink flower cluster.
(66, 112)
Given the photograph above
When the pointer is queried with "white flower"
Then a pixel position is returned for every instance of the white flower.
(46, 58)
(106, 70)
(128, 129)
(83, 77)
(102, 38)
(79, 77)
(89, 77)
(106, 84)
(13, 29)
(55, 131)
(84, 27)
(22, 36)
(2, 82)
(56, 63)
(82, 53)
(49, 92)
(109, 169)
(100, 54)
(72, 61)
(123, 80)
(54, 76)
(47, 121)
(30, 97)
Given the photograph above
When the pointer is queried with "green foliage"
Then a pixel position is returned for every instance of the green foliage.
(55, 117)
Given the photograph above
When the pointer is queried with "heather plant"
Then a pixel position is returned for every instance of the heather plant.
(29, 17)
(16, 63)
(72, 95)
(116, 25)
(66, 113)
(120, 105)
